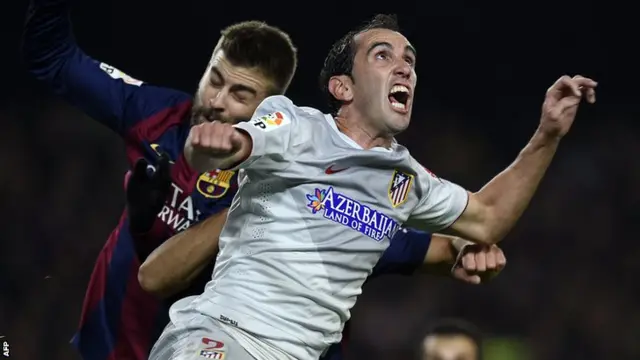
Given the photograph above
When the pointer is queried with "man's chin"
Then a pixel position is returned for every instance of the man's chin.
(197, 120)
(397, 123)
(201, 119)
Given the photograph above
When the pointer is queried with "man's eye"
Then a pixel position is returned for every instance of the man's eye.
(382, 56)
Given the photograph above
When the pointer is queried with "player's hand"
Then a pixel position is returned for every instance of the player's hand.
(146, 193)
(210, 143)
(561, 103)
(478, 263)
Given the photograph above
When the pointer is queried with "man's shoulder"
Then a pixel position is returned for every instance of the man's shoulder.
(166, 128)
(422, 171)
(281, 109)
(275, 102)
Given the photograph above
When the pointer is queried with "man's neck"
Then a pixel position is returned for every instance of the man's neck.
(355, 128)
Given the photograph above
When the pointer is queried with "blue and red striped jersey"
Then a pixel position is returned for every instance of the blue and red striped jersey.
(119, 320)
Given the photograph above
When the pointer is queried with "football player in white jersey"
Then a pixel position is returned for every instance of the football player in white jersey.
(177, 263)
(321, 196)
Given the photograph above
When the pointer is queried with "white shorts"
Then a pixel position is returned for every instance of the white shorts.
(193, 336)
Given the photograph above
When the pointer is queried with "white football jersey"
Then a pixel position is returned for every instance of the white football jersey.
(313, 214)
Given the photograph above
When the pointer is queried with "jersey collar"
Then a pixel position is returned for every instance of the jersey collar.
(350, 142)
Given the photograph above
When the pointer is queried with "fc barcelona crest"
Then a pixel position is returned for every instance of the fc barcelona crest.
(215, 184)
(399, 187)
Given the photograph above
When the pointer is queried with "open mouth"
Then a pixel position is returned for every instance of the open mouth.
(399, 97)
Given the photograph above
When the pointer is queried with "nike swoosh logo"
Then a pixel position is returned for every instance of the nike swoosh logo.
(330, 170)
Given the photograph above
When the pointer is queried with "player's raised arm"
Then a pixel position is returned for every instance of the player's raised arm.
(493, 211)
(268, 134)
(102, 91)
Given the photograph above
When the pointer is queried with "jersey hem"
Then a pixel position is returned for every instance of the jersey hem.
(266, 344)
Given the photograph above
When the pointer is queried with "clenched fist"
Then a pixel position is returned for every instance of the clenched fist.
(215, 145)
(478, 263)
(561, 103)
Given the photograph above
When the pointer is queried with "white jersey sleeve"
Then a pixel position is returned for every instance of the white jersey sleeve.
(441, 202)
(271, 130)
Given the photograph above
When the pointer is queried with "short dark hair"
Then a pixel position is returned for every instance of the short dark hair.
(340, 59)
(454, 327)
(254, 44)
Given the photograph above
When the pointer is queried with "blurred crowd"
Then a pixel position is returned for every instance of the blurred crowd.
(569, 290)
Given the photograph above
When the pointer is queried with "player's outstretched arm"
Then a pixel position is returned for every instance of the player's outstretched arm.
(103, 92)
(171, 267)
(494, 210)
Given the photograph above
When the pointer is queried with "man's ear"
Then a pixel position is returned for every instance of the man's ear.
(341, 87)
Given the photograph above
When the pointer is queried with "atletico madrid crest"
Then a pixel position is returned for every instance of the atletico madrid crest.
(399, 187)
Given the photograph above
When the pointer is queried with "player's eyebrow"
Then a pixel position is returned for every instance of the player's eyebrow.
(408, 48)
(242, 87)
(235, 87)
(411, 49)
(217, 72)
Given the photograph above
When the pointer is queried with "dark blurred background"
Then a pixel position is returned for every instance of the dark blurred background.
(570, 290)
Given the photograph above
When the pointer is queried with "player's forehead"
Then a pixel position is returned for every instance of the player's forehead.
(222, 67)
(382, 37)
